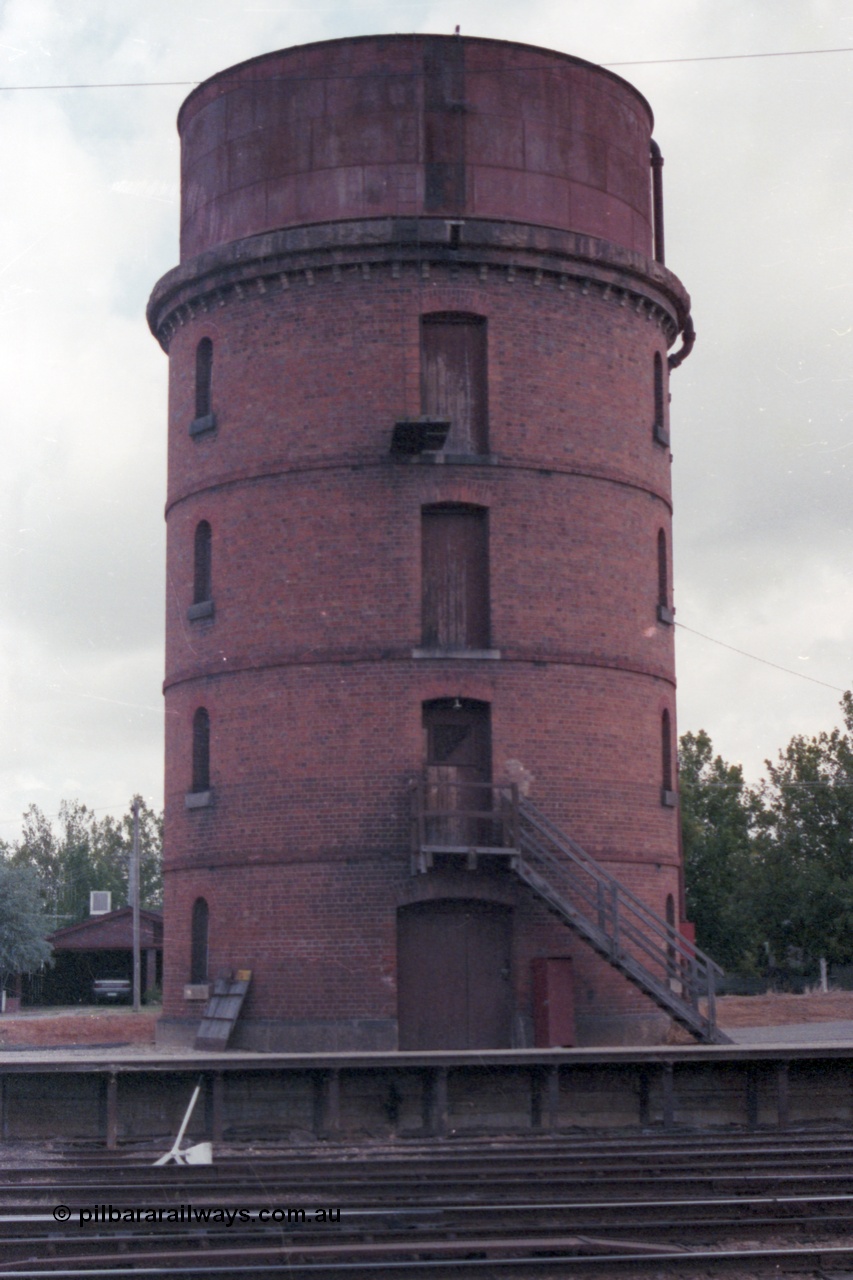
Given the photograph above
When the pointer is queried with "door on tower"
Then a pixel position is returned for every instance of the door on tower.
(453, 975)
(458, 760)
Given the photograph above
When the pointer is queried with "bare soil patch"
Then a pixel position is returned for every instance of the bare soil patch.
(46, 1028)
(778, 1010)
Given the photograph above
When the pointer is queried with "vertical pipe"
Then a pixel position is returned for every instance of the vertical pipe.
(112, 1111)
(668, 1095)
(643, 1091)
(553, 1095)
(217, 1106)
(657, 201)
(327, 1103)
(435, 1101)
(544, 1097)
(332, 1101)
(782, 1106)
(537, 1081)
(752, 1096)
(134, 880)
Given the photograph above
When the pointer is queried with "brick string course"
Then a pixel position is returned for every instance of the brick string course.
(306, 667)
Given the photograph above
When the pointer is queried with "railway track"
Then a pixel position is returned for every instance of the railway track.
(551, 1207)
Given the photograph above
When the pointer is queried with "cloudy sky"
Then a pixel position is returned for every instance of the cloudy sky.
(759, 209)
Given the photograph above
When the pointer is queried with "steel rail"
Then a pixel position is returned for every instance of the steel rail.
(455, 1151)
(757, 1261)
(494, 1215)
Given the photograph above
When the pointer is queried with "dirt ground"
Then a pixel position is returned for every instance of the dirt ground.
(782, 1010)
(46, 1028)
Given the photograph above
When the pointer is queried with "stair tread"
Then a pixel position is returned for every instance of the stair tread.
(606, 943)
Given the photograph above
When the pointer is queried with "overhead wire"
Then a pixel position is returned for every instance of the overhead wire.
(728, 57)
(765, 661)
(732, 57)
(636, 62)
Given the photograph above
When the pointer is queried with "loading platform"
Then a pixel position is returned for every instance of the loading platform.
(114, 1098)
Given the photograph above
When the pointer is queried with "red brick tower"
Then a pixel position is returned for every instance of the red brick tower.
(418, 538)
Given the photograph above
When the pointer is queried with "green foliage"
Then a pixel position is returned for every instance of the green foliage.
(718, 815)
(805, 846)
(769, 872)
(89, 853)
(22, 922)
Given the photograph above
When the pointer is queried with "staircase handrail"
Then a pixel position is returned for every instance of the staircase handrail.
(688, 951)
(620, 926)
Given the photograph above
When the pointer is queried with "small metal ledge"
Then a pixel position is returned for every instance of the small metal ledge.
(204, 609)
(412, 437)
(667, 615)
(203, 426)
(669, 799)
(198, 799)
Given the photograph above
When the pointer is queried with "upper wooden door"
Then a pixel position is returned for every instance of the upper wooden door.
(458, 759)
(454, 378)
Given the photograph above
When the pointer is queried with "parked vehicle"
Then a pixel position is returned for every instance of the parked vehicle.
(112, 990)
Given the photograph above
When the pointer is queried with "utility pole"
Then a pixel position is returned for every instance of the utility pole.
(134, 902)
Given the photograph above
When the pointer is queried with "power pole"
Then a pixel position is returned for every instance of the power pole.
(134, 902)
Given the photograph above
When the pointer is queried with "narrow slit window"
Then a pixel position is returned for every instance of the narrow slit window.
(454, 378)
(455, 577)
(665, 611)
(663, 576)
(201, 750)
(199, 941)
(203, 378)
(203, 563)
(659, 430)
(666, 758)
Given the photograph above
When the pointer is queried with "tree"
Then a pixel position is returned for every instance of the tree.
(89, 853)
(23, 926)
(806, 847)
(769, 872)
(718, 817)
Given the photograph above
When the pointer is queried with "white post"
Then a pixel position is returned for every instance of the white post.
(824, 985)
(134, 890)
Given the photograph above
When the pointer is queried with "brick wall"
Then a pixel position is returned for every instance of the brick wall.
(307, 664)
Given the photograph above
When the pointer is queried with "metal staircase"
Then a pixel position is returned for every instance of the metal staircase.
(640, 944)
(451, 820)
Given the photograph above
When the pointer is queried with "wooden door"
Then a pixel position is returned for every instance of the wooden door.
(455, 577)
(457, 755)
(454, 378)
(453, 975)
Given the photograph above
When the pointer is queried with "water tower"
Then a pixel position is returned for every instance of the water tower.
(419, 613)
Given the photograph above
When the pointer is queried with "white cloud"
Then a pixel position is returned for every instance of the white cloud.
(759, 201)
